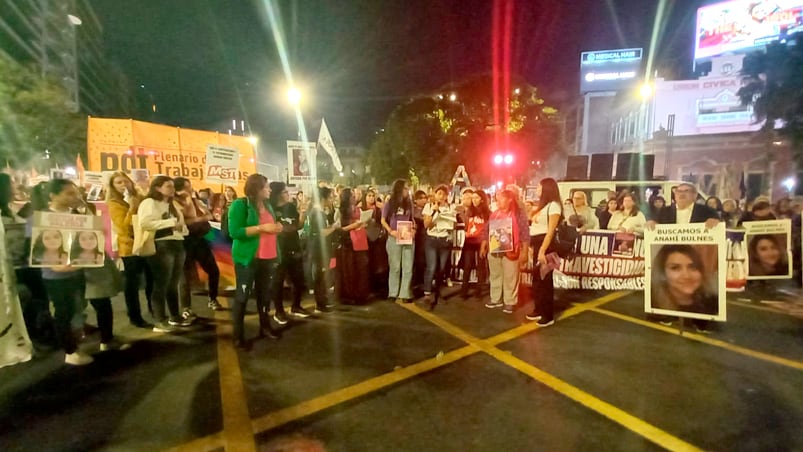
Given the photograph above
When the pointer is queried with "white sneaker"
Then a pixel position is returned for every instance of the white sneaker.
(114, 345)
(77, 359)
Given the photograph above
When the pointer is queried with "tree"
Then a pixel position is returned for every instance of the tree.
(35, 117)
(773, 85)
(432, 134)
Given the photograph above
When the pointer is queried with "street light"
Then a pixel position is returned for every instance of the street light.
(294, 96)
(789, 183)
(645, 91)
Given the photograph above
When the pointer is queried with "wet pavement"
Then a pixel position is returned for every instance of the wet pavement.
(388, 376)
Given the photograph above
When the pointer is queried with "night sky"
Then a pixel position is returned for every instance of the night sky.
(205, 62)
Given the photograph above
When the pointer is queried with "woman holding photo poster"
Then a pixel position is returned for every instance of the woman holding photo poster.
(545, 220)
(399, 208)
(504, 243)
(681, 281)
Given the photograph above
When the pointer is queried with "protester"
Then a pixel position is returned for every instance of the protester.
(628, 218)
(783, 208)
(505, 266)
(64, 283)
(476, 216)
(420, 199)
(714, 203)
(760, 211)
(604, 216)
(219, 207)
(542, 235)
(377, 242)
(657, 205)
(439, 221)
(730, 213)
(352, 256)
(321, 252)
(123, 202)
(205, 198)
(583, 217)
(253, 228)
(685, 211)
(399, 207)
(197, 249)
(291, 262)
(680, 282)
(159, 216)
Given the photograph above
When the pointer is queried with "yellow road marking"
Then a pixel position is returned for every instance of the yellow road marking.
(759, 308)
(234, 403)
(303, 409)
(210, 442)
(621, 417)
(574, 310)
(706, 340)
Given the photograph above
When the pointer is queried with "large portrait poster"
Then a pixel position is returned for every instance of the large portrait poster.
(15, 345)
(221, 164)
(768, 249)
(500, 235)
(685, 271)
(67, 239)
(301, 161)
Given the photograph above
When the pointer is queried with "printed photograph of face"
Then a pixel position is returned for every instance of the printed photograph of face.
(767, 255)
(300, 165)
(47, 248)
(87, 248)
(684, 278)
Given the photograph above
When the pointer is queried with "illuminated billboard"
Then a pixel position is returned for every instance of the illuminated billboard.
(745, 25)
(609, 70)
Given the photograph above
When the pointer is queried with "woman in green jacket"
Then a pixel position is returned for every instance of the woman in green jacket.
(255, 252)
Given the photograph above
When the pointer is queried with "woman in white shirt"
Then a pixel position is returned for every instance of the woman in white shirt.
(542, 233)
(158, 214)
(628, 218)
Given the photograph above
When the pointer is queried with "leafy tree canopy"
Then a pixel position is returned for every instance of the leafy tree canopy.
(773, 84)
(35, 116)
(459, 124)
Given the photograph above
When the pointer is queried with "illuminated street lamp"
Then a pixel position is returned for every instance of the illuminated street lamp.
(789, 183)
(294, 96)
(645, 91)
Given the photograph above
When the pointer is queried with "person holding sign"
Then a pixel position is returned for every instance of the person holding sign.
(685, 211)
(504, 242)
(680, 281)
(397, 212)
(439, 220)
(545, 221)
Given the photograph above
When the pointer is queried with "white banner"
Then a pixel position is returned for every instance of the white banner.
(685, 271)
(15, 345)
(328, 145)
(222, 165)
(301, 161)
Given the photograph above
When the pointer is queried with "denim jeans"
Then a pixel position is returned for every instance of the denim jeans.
(438, 250)
(167, 266)
(400, 259)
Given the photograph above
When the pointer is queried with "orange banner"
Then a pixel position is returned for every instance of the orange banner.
(125, 144)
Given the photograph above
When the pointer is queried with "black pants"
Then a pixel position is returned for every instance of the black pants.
(322, 277)
(64, 293)
(34, 303)
(134, 266)
(470, 256)
(259, 276)
(166, 265)
(543, 289)
(291, 266)
(103, 310)
(197, 249)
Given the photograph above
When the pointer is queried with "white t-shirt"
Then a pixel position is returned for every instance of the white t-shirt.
(540, 221)
(684, 215)
(630, 223)
(444, 220)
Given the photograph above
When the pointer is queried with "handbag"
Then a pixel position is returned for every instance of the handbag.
(565, 240)
(144, 244)
(359, 239)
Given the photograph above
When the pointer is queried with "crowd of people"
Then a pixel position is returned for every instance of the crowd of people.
(340, 244)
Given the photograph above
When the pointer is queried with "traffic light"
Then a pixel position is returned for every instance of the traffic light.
(500, 159)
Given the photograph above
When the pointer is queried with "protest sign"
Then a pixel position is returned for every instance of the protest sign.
(607, 260)
(15, 345)
(685, 271)
(500, 235)
(67, 239)
(405, 232)
(769, 249)
(221, 164)
(301, 161)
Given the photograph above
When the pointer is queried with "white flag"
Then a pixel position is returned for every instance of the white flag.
(325, 141)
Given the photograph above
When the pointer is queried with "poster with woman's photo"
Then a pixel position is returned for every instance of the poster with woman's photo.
(66, 239)
(624, 243)
(300, 161)
(685, 271)
(500, 235)
(769, 249)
